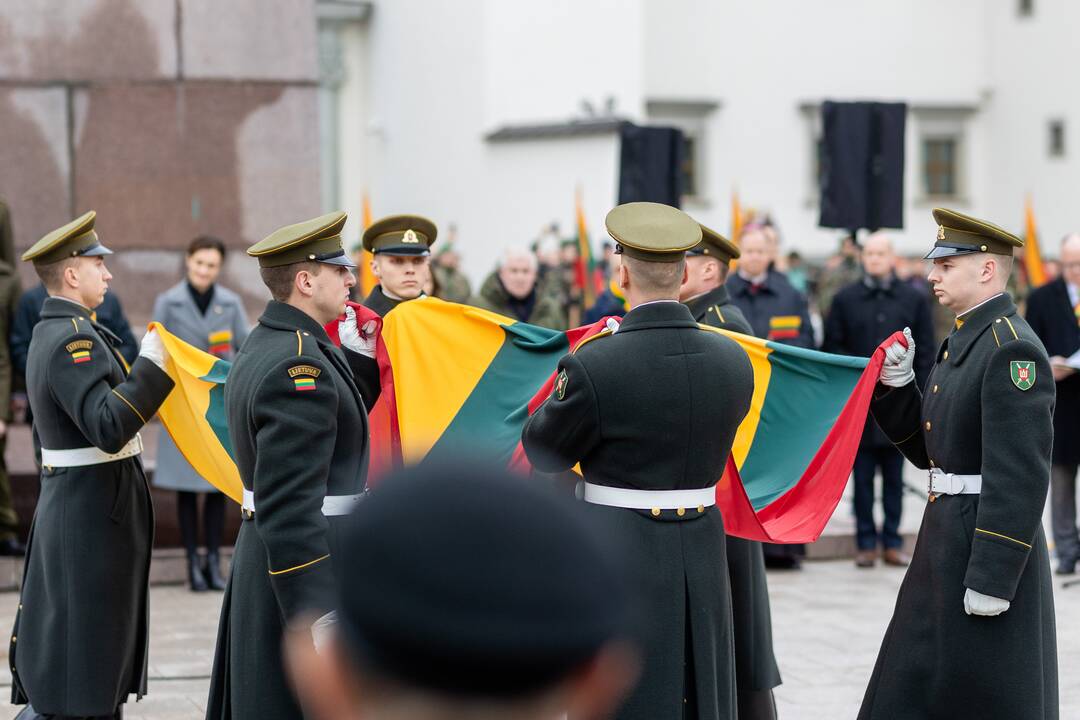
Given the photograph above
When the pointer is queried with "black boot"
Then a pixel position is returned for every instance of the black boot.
(196, 579)
(213, 571)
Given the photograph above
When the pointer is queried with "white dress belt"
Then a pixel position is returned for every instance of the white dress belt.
(943, 483)
(649, 499)
(332, 505)
(78, 457)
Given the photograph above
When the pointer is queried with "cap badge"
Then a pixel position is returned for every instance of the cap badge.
(410, 237)
(940, 232)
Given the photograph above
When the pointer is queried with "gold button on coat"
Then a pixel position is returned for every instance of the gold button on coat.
(927, 424)
(680, 512)
(946, 355)
(656, 512)
(935, 388)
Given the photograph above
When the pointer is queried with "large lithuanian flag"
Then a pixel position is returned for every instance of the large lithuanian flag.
(458, 379)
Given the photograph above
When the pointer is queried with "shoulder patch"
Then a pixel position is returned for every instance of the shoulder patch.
(1022, 373)
(297, 370)
(79, 345)
(560, 386)
(79, 351)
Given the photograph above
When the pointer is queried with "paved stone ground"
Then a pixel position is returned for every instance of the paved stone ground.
(828, 621)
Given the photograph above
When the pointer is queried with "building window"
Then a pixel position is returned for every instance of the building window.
(1025, 8)
(940, 171)
(1056, 138)
(689, 166)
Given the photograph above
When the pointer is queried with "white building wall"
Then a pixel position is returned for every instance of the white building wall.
(441, 75)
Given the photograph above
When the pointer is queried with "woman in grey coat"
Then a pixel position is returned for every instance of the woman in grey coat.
(211, 318)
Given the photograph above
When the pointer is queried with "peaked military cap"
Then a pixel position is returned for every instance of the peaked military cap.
(715, 245)
(400, 235)
(960, 234)
(652, 232)
(316, 240)
(496, 587)
(75, 239)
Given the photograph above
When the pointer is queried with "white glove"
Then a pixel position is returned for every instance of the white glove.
(153, 349)
(897, 370)
(612, 325)
(323, 629)
(975, 603)
(359, 340)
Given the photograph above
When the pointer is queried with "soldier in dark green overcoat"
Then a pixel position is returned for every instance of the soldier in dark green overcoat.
(297, 412)
(755, 664)
(650, 412)
(79, 646)
(973, 632)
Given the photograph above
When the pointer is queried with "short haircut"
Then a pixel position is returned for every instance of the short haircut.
(52, 274)
(206, 242)
(280, 280)
(655, 277)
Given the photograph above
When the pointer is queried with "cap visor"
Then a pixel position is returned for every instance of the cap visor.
(342, 260)
(98, 249)
(403, 250)
(940, 252)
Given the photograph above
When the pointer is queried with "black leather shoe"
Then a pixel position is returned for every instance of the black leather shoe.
(196, 579)
(12, 548)
(213, 572)
(1067, 567)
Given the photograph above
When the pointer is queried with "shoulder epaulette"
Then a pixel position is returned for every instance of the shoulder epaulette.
(583, 343)
(1006, 335)
(716, 309)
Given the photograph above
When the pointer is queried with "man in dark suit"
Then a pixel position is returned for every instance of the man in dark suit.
(297, 411)
(1053, 311)
(650, 413)
(862, 315)
(776, 311)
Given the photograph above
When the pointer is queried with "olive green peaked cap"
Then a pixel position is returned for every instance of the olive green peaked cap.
(400, 235)
(72, 240)
(960, 234)
(652, 232)
(715, 245)
(316, 240)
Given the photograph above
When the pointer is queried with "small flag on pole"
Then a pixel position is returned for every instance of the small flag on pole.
(1033, 263)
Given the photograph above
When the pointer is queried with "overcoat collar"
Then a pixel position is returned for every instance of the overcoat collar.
(980, 321)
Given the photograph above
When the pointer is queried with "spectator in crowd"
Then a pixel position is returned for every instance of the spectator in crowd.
(1053, 311)
(775, 311)
(450, 283)
(210, 317)
(512, 290)
(9, 297)
(796, 272)
(546, 638)
(841, 270)
(863, 314)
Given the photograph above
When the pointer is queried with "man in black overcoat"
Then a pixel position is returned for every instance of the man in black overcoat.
(297, 412)
(973, 632)
(79, 646)
(1053, 311)
(756, 671)
(650, 412)
(862, 315)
